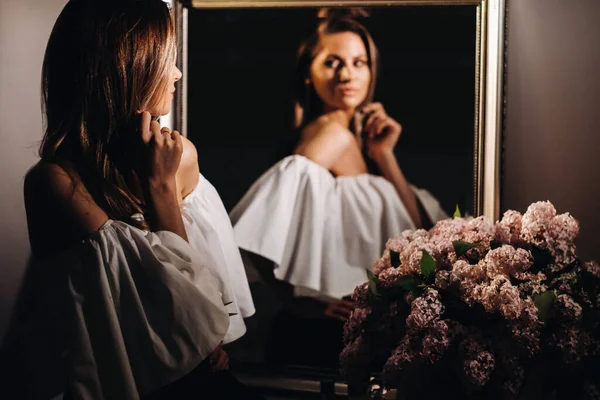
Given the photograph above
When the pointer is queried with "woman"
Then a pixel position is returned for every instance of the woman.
(134, 280)
(321, 216)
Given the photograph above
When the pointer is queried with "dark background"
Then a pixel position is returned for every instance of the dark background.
(241, 64)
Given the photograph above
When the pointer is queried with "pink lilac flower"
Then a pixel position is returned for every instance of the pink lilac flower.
(478, 230)
(410, 258)
(570, 341)
(592, 268)
(543, 228)
(424, 311)
(399, 244)
(448, 228)
(354, 360)
(382, 263)
(443, 279)
(507, 260)
(514, 381)
(534, 285)
(535, 221)
(477, 361)
(498, 295)
(402, 356)
(362, 295)
(508, 230)
(526, 330)
(435, 342)
(568, 308)
(465, 276)
(560, 236)
(463, 270)
(389, 276)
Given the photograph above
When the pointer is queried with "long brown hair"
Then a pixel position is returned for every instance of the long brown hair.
(105, 61)
(307, 104)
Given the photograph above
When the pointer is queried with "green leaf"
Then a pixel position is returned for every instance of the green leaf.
(457, 213)
(371, 275)
(373, 282)
(395, 258)
(406, 283)
(544, 302)
(427, 265)
(461, 247)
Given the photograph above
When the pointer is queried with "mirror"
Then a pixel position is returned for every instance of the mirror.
(439, 77)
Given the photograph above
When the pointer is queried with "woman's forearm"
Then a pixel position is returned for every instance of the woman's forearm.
(387, 163)
(163, 208)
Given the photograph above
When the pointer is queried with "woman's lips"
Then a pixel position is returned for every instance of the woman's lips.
(349, 91)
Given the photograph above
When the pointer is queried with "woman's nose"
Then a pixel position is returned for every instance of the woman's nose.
(344, 74)
(177, 74)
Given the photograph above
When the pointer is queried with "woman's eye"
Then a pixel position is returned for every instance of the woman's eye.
(332, 63)
(360, 63)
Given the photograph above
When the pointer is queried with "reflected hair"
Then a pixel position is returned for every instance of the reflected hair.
(307, 104)
(105, 61)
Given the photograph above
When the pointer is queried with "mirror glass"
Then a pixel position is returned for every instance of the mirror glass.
(241, 64)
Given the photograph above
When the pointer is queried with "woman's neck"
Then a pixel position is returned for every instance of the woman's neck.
(343, 117)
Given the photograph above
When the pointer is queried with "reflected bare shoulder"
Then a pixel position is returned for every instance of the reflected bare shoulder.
(324, 141)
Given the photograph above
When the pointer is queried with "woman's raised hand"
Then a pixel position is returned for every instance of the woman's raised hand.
(382, 131)
(161, 154)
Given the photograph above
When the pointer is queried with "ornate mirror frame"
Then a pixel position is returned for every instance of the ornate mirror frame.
(489, 93)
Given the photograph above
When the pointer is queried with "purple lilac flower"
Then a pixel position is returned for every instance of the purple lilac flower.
(424, 311)
(354, 324)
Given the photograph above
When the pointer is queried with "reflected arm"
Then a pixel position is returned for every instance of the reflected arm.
(387, 163)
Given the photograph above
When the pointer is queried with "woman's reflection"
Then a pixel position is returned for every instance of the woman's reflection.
(313, 222)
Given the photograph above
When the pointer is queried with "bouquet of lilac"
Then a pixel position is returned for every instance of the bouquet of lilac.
(472, 309)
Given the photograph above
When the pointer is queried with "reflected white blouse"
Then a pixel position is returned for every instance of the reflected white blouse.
(322, 232)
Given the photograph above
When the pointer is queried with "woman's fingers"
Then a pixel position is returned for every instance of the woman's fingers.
(340, 309)
(372, 107)
(380, 125)
(221, 362)
(177, 141)
(331, 313)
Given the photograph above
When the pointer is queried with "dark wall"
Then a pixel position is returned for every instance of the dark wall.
(241, 64)
(552, 135)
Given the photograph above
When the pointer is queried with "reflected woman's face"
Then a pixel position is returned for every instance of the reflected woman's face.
(340, 72)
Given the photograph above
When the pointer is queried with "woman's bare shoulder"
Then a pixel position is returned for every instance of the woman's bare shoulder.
(189, 171)
(56, 200)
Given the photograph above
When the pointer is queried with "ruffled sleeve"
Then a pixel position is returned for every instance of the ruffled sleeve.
(140, 310)
(322, 232)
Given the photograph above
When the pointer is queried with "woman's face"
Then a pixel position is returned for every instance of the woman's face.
(340, 72)
(164, 101)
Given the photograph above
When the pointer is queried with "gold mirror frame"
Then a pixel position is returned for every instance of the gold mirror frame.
(489, 93)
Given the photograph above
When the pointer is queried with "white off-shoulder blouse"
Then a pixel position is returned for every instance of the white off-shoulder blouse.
(127, 311)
